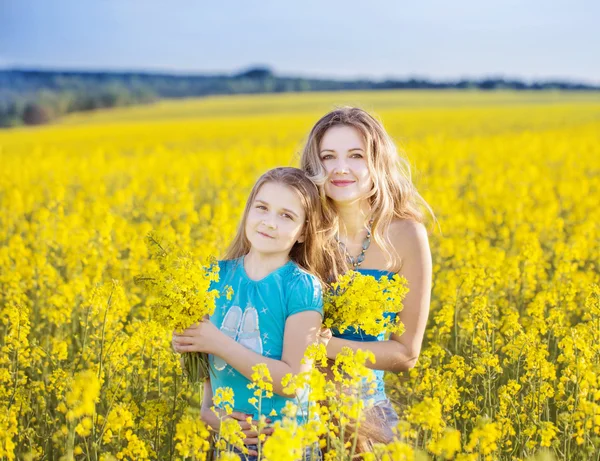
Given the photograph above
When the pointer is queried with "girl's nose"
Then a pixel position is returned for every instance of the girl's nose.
(269, 222)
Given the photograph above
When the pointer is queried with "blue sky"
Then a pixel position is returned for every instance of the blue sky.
(343, 39)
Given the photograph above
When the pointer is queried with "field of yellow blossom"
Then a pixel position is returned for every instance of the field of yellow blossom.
(510, 368)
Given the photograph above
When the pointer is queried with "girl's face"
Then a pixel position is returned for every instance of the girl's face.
(275, 220)
(343, 155)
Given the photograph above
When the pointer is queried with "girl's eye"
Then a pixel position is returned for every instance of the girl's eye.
(327, 157)
(357, 156)
(285, 215)
(261, 207)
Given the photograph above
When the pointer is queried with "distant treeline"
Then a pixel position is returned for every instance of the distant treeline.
(38, 96)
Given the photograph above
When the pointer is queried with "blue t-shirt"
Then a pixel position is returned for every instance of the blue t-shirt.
(358, 334)
(255, 317)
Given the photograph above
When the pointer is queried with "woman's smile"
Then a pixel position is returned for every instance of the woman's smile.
(342, 182)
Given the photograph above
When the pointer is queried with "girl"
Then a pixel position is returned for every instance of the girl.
(275, 265)
(366, 184)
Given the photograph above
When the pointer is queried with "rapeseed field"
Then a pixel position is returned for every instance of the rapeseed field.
(510, 366)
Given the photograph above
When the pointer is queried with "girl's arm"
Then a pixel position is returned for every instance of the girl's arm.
(300, 331)
(400, 353)
(206, 414)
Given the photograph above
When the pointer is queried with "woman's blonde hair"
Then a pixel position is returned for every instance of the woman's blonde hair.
(393, 195)
(318, 253)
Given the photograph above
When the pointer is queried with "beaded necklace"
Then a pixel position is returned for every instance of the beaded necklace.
(357, 261)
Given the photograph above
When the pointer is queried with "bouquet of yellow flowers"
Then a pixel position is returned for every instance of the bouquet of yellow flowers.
(362, 302)
(181, 285)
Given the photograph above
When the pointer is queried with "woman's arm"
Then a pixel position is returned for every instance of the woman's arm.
(300, 331)
(400, 353)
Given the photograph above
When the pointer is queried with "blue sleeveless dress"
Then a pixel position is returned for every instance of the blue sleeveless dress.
(357, 334)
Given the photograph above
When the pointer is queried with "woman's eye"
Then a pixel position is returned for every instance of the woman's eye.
(285, 215)
(357, 156)
(327, 157)
(261, 207)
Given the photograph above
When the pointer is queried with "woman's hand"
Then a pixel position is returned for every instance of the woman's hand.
(201, 337)
(324, 336)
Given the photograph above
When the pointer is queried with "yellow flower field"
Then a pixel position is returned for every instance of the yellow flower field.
(510, 368)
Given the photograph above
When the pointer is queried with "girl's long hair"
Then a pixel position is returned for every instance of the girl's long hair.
(319, 253)
(393, 195)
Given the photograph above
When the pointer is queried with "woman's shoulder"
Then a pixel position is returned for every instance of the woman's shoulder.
(408, 236)
(408, 227)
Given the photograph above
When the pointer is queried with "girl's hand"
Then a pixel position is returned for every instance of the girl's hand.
(324, 336)
(201, 337)
(251, 436)
(214, 416)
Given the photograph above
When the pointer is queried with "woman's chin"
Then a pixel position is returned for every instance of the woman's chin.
(340, 198)
(345, 195)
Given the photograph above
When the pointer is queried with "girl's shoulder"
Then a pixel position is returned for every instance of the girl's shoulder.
(298, 276)
(227, 264)
(304, 290)
(227, 268)
(299, 279)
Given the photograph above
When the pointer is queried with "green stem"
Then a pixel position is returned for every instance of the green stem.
(70, 442)
(103, 331)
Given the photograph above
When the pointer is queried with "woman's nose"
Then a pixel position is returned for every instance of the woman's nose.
(341, 168)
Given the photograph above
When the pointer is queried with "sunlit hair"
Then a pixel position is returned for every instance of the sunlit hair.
(318, 253)
(393, 195)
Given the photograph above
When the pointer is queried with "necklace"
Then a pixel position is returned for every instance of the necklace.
(357, 261)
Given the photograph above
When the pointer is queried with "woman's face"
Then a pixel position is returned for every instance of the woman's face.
(344, 157)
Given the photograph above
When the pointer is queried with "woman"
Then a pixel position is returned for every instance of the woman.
(362, 179)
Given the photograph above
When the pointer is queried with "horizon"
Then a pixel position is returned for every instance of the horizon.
(191, 74)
